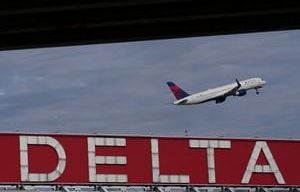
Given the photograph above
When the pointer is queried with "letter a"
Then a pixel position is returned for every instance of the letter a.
(254, 168)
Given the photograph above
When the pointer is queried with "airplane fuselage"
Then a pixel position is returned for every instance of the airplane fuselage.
(219, 94)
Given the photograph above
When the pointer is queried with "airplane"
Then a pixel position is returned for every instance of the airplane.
(219, 94)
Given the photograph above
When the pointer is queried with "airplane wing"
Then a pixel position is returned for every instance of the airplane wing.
(224, 94)
(233, 90)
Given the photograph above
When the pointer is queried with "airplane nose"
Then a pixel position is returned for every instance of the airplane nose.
(264, 82)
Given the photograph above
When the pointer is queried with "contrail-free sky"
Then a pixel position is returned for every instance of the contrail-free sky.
(120, 88)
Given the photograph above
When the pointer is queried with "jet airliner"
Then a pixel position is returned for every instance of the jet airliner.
(219, 94)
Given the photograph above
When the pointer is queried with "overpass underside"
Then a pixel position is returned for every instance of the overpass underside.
(33, 23)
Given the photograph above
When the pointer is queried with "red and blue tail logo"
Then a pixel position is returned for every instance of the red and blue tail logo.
(177, 91)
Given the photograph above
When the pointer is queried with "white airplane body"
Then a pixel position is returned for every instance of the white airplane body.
(218, 94)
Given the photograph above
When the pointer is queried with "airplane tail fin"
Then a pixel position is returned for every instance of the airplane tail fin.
(177, 91)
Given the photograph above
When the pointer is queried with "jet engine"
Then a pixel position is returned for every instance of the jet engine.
(241, 92)
(220, 99)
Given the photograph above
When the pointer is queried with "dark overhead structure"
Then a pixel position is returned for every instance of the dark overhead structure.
(46, 23)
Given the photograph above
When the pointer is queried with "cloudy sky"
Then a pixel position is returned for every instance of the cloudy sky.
(120, 88)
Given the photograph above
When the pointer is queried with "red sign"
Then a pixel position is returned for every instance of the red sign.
(85, 159)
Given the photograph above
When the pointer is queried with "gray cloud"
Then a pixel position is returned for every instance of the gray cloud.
(120, 88)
